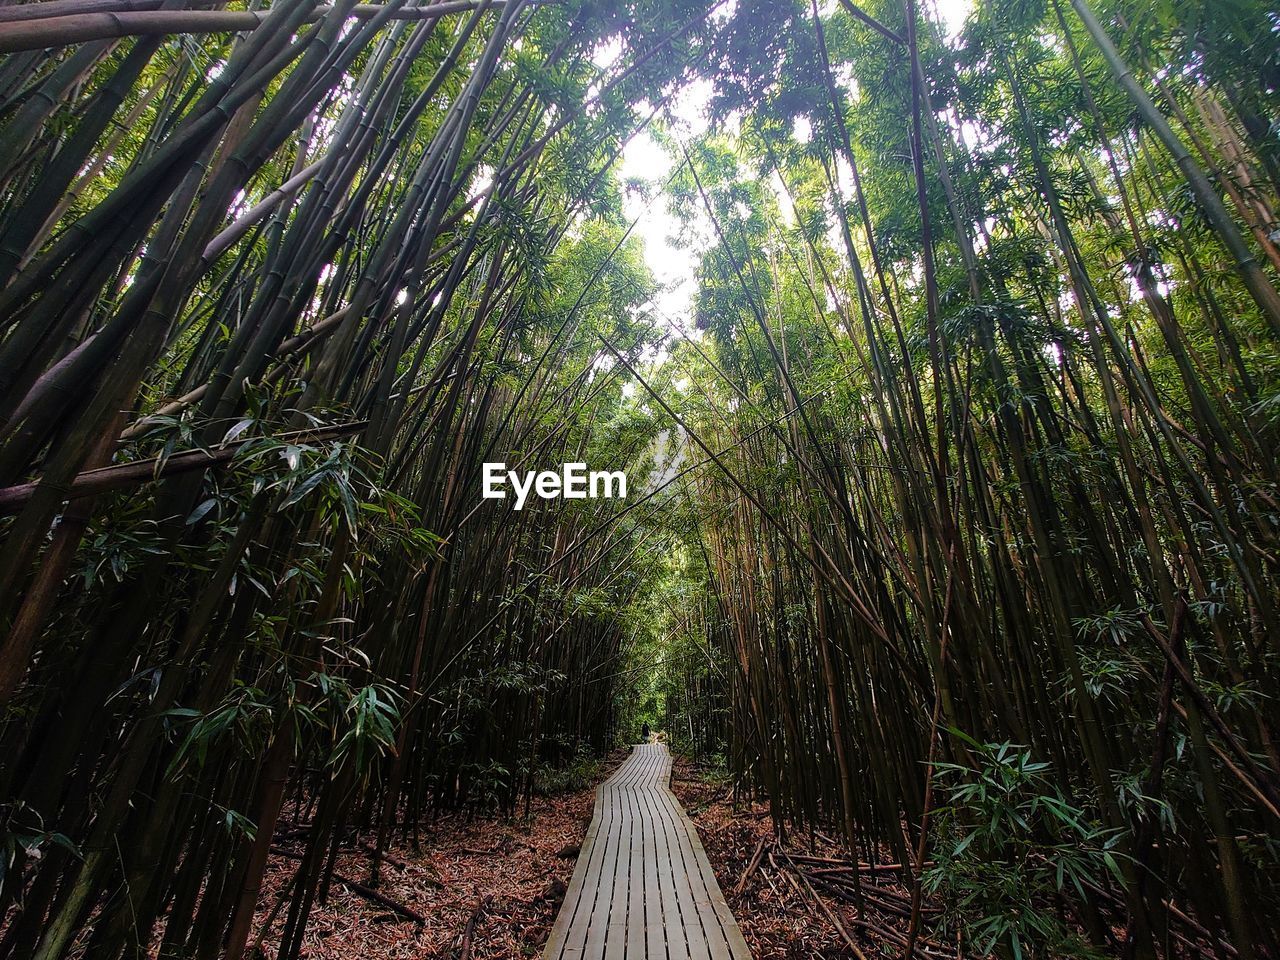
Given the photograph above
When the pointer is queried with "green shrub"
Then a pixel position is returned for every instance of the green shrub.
(1006, 843)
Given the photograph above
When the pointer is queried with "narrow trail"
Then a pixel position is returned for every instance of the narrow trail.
(643, 888)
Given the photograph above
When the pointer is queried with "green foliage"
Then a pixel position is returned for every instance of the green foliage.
(1007, 842)
(367, 727)
(22, 835)
(118, 544)
(246, 717)
(358, 724)
(582, 769)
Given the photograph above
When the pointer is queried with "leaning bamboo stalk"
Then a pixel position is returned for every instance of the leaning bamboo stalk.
(83, 27)
(303, 341)
(228, 237)
(121, 476)
(1255, 279)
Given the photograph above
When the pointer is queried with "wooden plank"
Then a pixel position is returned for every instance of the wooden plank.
(737, 946)
(616, 936)
(655, 931)
(573, 895)
(642, 888)
(672, 875)
(686, 896)
(707, 918)
(635, 900)
(598, 921)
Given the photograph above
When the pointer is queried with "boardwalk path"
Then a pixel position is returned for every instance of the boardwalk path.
(643, 889)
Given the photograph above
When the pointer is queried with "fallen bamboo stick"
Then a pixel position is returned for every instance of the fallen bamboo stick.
(368, 893)
(751, 866)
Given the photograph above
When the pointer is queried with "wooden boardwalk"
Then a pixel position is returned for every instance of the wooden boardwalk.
(643, 889)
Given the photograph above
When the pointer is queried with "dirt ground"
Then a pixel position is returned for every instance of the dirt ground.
(780, 913)
(486, 888)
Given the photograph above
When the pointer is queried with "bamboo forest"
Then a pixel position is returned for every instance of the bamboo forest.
(639, 479)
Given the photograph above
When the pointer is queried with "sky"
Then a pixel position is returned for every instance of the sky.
(643, 158)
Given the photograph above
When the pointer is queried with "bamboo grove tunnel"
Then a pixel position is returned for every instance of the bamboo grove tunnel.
(937, 348)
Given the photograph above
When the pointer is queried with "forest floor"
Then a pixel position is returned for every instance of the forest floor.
(486, 888)
(792, 900)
